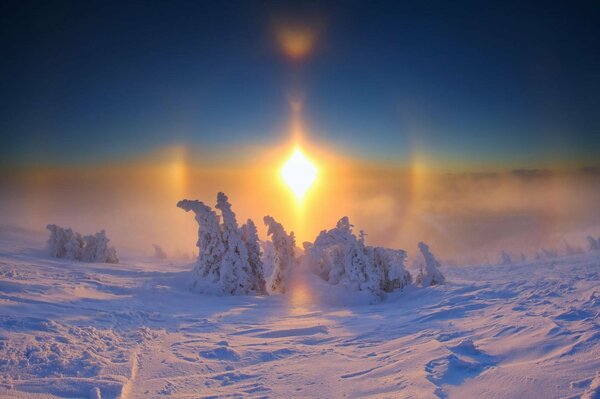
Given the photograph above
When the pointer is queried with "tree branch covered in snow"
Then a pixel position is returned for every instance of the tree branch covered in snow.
(65, 243)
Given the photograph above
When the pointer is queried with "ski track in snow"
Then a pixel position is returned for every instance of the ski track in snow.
(133, 330)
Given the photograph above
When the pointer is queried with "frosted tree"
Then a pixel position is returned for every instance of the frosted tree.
(225, 262)
(158, 252)
(65, 243)
(430, 275)
(210, 243)
(250, 238)
(96, 249)
(391, 262)
(339, 257)
(235, 268)
(283, 245)
(593, 244)
(505, 258)
(74, 247)
(59, 237)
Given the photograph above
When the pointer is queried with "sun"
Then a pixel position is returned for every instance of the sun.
(299, 173)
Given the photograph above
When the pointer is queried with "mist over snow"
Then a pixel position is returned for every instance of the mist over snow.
(466, 217)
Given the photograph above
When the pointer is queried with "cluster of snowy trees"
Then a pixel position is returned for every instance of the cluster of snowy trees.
(231, 261)
(229, 258)
(65, 243)
(339, 257)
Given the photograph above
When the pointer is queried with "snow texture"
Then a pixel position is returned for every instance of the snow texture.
(135, 330)
(65, 243)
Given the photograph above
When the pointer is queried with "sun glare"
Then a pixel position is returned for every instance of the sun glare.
(299, 173)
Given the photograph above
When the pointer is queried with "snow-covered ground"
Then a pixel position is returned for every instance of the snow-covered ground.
(134, 330)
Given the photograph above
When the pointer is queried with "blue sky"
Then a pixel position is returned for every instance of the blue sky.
(505, 84)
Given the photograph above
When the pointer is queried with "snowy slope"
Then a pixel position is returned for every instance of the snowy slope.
(133, 330)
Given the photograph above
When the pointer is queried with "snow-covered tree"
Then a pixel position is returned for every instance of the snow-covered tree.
(74, 247)
(430, 274)
(593, 244)
(210, 242)
(59, 237)
(339, 257)
(250, 238)
(235, 269)
(283, 245)
(65, 243)
(505, 258)
(224, 261)
(391, 261)
(96, 249)
(158, 252)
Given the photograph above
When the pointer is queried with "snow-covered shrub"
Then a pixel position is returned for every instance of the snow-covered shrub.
(58, 240)
(505, 258)
(283, 247)
(339, 257)
(430, 275)
(224, 266)
(391, 261)
(65, 243)
(593, 244)
(96, 249)
(158, 252)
